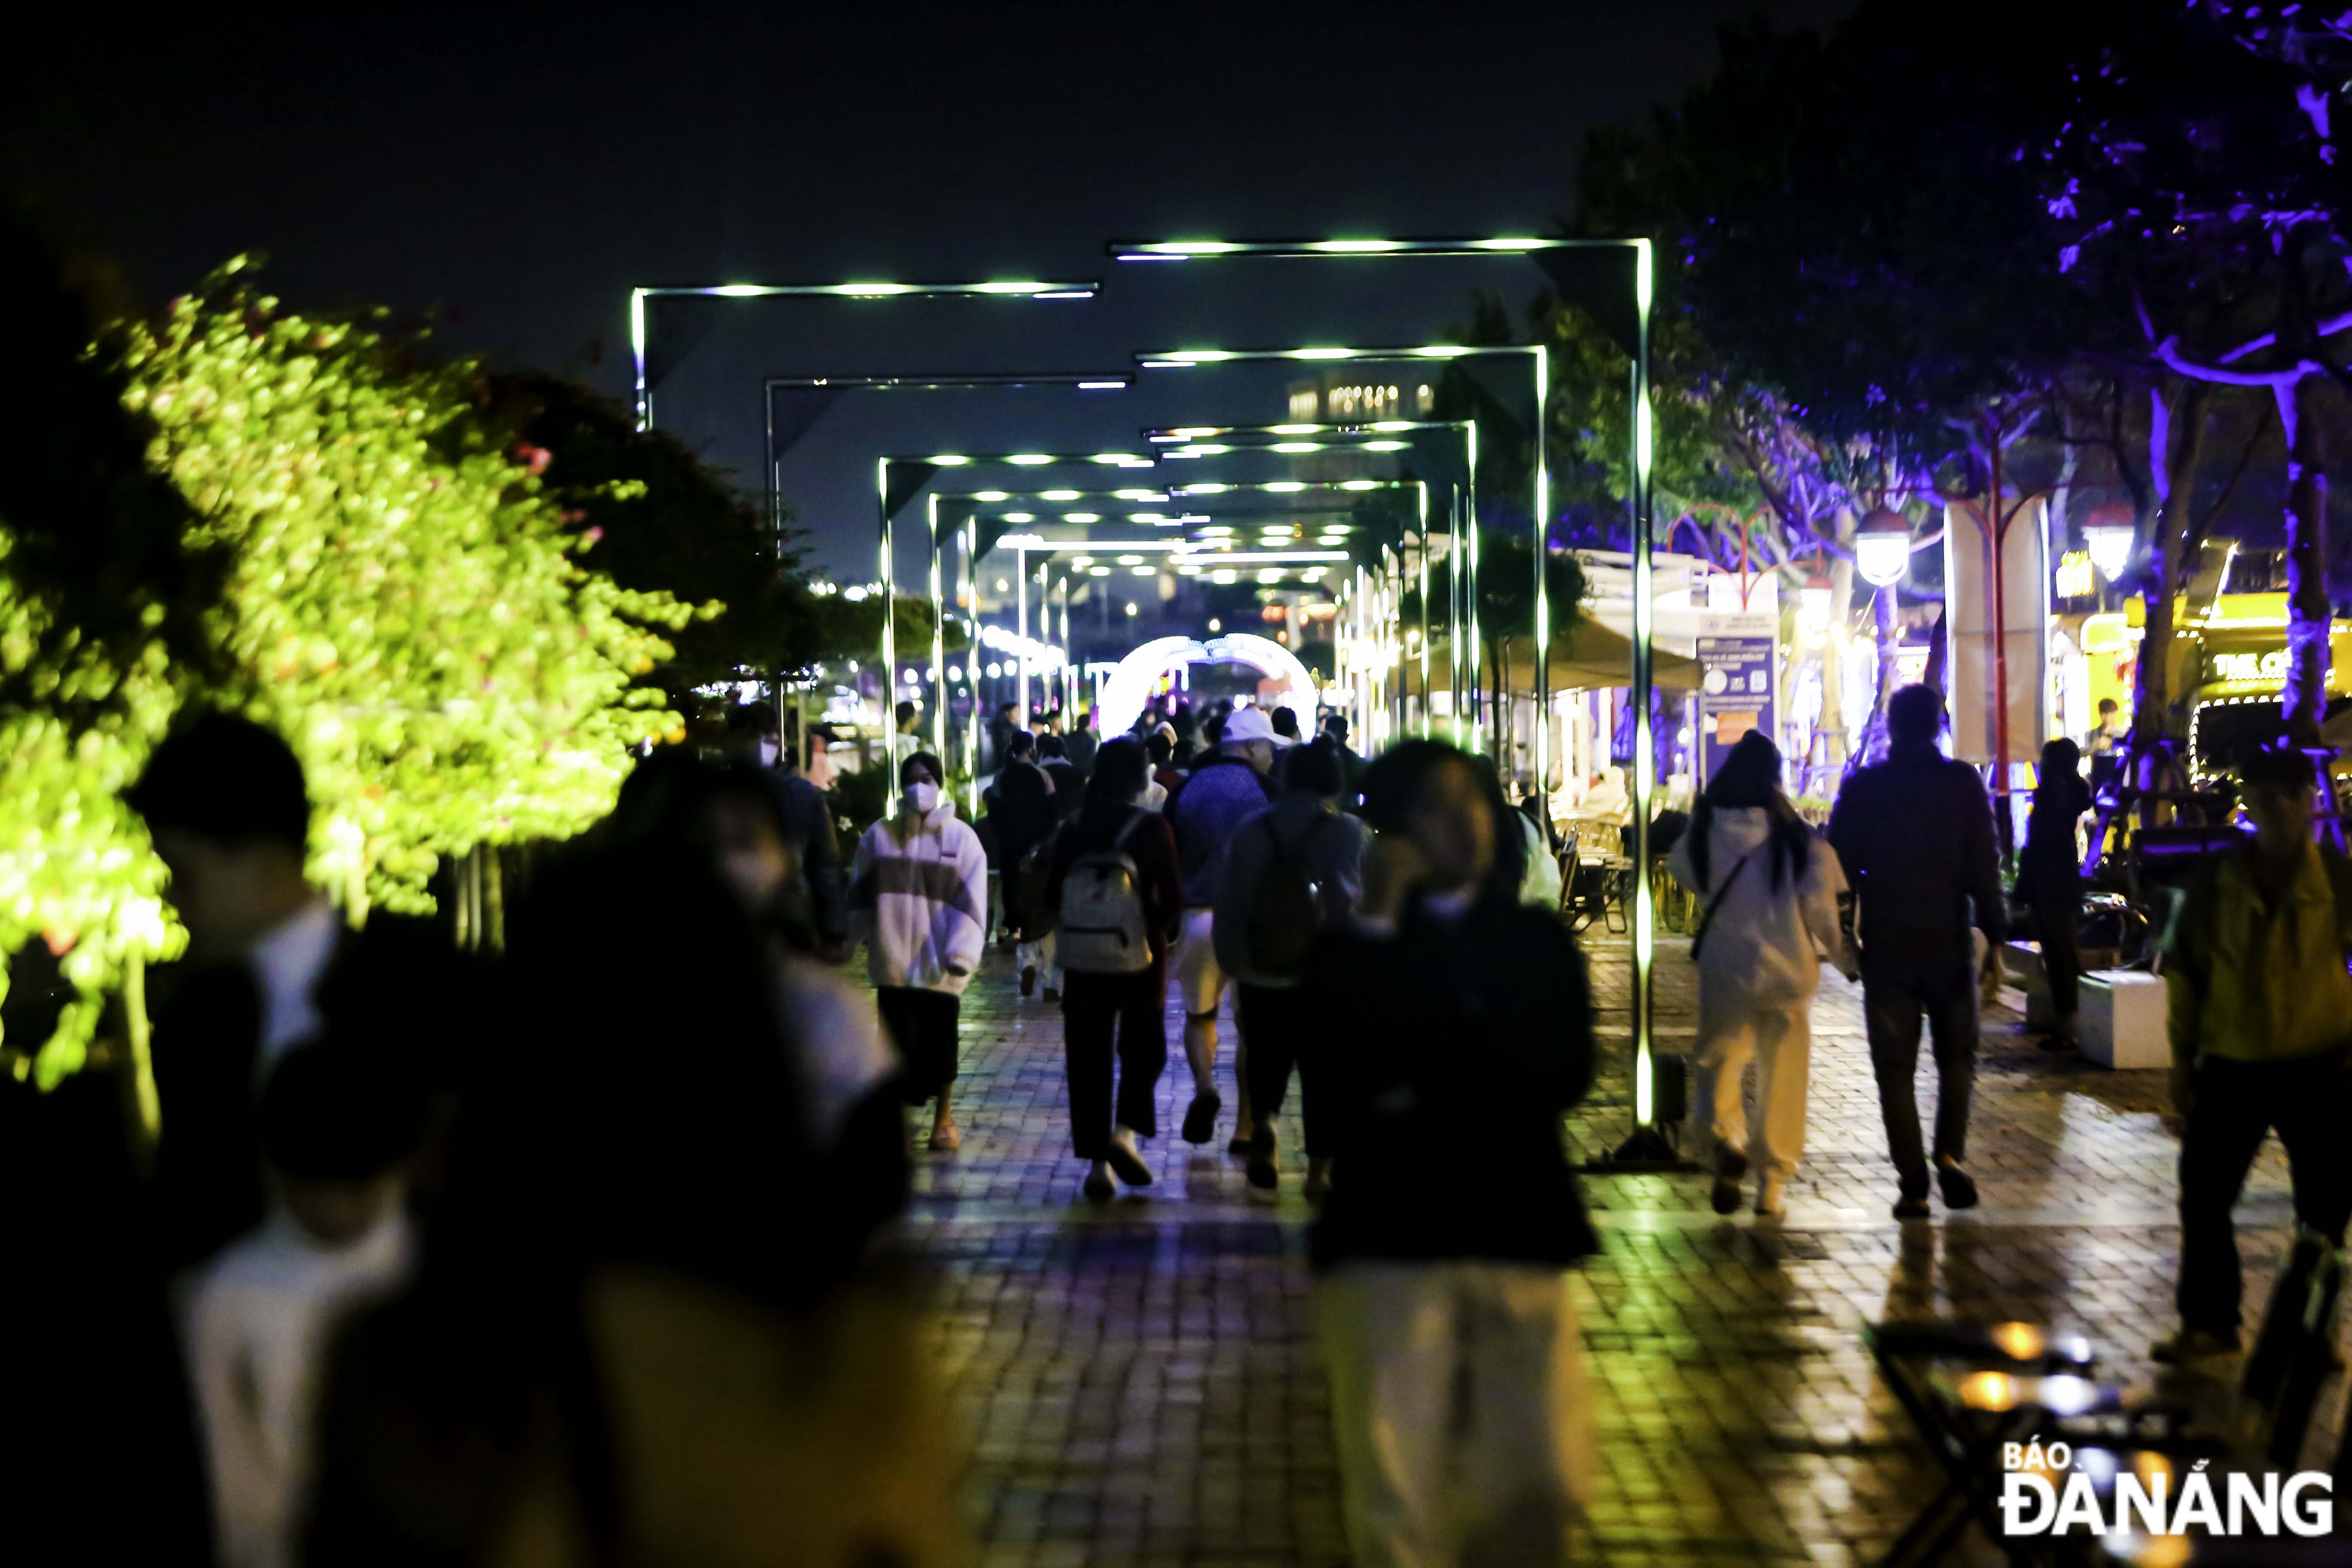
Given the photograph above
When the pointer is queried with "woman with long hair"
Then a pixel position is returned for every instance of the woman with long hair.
(2050, 882)
(1115, 837)
(1768, 888)
(1459, 1023)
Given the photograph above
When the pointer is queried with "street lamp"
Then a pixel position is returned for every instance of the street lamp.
(2110, 531)
(1882, 548)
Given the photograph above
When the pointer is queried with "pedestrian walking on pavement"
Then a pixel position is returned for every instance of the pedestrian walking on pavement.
(2260, 1019)
(1458, 1397)
(1292, 870)
(1116, 885)
(1915, 836)
(920, 899)
(1206, 809)
(1026, 815)
(1769, 890)
(2050, 883)
(1081, 744)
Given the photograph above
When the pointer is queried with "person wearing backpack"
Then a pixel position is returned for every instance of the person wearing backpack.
(1115, 886)
(1292, 870)
(1768, 890)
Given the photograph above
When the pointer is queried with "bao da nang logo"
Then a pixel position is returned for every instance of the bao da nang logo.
(2044, 1492)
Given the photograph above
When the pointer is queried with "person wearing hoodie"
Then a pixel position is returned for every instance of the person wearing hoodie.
(1292, 869)
(920, 899)
(1769, 890)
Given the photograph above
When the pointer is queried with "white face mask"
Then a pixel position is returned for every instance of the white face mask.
(921, 798)
(769, 752)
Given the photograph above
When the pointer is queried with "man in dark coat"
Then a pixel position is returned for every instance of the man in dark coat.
(1915, 833)
(270, 965)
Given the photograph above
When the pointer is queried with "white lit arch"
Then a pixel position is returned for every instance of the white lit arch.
(1129, 686)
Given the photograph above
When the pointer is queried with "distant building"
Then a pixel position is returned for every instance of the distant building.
(1347, 398)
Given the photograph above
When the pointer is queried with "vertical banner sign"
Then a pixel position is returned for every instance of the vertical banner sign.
(1738, 657)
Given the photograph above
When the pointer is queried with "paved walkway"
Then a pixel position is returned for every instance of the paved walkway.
(1140, 1381)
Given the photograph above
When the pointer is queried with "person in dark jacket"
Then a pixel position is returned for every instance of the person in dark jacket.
(1318, 850)
(815, 896)
(1069, 783)
(1915, 835)
(2050, 883)
(1335, 727)
(1081, 744)
(1443, 1302)
(1206, 809)
(1093, 1006)
(1023, 810)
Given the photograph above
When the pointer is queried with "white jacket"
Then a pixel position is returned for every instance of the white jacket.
(1762, 945)
(922, 905)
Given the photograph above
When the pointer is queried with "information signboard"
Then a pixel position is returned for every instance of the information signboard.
(1738, 661)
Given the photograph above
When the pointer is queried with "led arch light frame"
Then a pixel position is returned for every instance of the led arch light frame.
(1465, 654)
(1120, 699)
(1371, 435)
(1647, 1145)
(640, 300)
(1199, 553)
(1082, 381)
(1123, 462)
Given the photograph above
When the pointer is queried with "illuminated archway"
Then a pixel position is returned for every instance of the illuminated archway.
(1129, 686)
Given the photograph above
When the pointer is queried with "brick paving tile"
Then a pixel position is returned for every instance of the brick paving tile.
(1140, 1382)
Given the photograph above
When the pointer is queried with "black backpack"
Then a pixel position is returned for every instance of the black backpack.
(1287, 907)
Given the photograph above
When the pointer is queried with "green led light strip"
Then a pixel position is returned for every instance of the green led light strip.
(1010, 288)
(1647, 1144)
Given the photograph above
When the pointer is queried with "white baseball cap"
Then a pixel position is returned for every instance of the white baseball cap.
(1247, 724)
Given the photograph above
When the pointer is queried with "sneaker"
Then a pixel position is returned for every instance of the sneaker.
(1098, 1188)
(1730, 1166)
(1028, 978)
(1769, 1204)
(1124, 1159)
(1263, 1168)
(1053, 995)
(1960, 1187)
(1200, 1118)
(1319, 1181)
(2191, 1345)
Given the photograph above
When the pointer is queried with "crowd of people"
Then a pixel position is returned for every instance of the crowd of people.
(451, 1256)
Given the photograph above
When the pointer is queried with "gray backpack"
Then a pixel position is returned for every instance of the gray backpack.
(1102, 929)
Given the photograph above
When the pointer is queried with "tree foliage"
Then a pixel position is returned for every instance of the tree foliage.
(650, 515)
(402, 603)
(103, 604)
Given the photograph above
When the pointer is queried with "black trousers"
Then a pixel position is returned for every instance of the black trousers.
(922, 1024)
(2058, 927)
(1898, 991)
(1278, 1032)
(1094, 1006)
(2236, 1105)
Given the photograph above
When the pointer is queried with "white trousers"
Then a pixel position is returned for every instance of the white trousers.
(1037, 955)
(1459, 1405)
(1778, 1038)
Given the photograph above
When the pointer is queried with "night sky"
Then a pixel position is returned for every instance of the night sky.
(517, 171)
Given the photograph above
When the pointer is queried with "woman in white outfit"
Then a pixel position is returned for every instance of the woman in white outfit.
(1768, 886)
